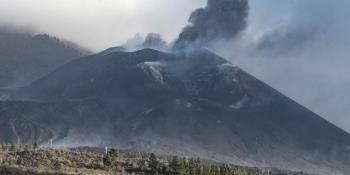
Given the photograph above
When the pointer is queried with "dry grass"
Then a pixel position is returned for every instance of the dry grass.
(26, 160)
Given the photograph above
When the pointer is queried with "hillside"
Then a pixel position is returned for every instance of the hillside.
(193, 104)
(26, 57)
(20, 159)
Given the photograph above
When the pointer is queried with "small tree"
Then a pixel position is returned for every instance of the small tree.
(214, 169)
(110, 158)
(195, 167)
(175, 165)
(113, 153)
(206, 170)
(153, 163)
(35, 145)
(225, 170)
(12, 148)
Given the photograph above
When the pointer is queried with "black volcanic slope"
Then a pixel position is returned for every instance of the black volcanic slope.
(194, 104)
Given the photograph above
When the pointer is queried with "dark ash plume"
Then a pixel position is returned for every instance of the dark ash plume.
(219, 20)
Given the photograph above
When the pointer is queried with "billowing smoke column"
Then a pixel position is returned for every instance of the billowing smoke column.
(219, 20)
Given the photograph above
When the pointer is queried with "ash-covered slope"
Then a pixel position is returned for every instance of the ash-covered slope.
(25, 58)
(194, 104)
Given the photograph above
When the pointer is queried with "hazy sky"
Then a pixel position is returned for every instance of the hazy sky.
(307, 56)
(98, 24)
(313, 35)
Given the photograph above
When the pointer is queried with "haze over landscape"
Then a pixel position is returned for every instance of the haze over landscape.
(247, 86)
(311, 67)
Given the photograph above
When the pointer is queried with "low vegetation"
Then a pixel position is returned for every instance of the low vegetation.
(32, 160)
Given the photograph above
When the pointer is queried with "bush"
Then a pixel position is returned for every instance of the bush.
(110, 158)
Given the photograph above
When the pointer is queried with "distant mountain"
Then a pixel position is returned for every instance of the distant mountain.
(191, 104)
(25, 58)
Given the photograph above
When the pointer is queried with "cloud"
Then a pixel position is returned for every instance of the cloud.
(99, 24)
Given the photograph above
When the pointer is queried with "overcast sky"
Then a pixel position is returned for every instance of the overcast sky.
(315, 75)
(98, 24)
(309, 60)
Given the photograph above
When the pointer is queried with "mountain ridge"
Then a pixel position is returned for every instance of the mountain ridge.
(193, 103)
(26, 57)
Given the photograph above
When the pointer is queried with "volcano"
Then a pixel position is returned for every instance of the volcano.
(191, 103)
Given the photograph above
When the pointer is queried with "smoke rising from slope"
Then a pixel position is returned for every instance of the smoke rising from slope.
(154, 39)
(301, 51)
(220, 19)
